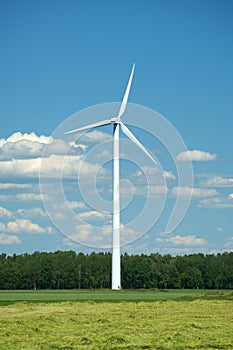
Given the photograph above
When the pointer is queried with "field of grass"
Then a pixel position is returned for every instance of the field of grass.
(189, 321)
(8, 297)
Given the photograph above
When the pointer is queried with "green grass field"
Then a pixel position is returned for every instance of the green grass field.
(8, 297)
(180, 319)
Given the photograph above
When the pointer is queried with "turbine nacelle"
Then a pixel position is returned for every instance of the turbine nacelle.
(115, 120)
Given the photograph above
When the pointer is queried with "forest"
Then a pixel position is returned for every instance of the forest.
(71, 270)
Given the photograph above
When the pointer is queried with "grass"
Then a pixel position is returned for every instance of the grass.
(92, 320)
(199, 324)
(9, 297)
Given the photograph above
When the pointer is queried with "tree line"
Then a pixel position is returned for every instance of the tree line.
(71, 270)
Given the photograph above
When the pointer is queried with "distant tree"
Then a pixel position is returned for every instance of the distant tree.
(69, 270)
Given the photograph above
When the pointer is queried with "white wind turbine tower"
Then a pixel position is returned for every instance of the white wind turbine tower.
(117, 123)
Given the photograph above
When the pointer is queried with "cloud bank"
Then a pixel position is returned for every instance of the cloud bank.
(195, 156)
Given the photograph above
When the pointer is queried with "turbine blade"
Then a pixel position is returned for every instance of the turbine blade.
(126, 95)
(128, 133)
(94, 125)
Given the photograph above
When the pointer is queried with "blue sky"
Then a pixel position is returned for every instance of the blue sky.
(59, 57)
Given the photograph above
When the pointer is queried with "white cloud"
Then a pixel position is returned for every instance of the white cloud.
(169, 175)
(29, 213)
(194, 192)
(155, 175)
(22, 213)
(51, 167)
(164, 233)
(94, 215)
(102, 238)
(21, 145)
(94, 136)
(28, 197)
(58, 166)
(76, 205)
(78, 145)
(18, 136)
(9, 239)
(21, 149)
(165, 240)
(27, 146)
(216, 181)
(151, 192)
(20, 156)
(59, 216)
(105, 154)
(128, 235)
(158, 190)
(219, 229)
(25, 226)
(85, 234)
(141, 190)
(5, 213)
(20, 168)
(195, 156)
(230, 196)
(181, 250)
(190, 240)
(59, 209)
(218, 203)
(22, 197)
(148, 181)
(2, 226)
(13, 186)
(159, 240)
(59, 147)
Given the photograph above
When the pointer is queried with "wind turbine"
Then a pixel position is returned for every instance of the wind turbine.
(117, 123)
